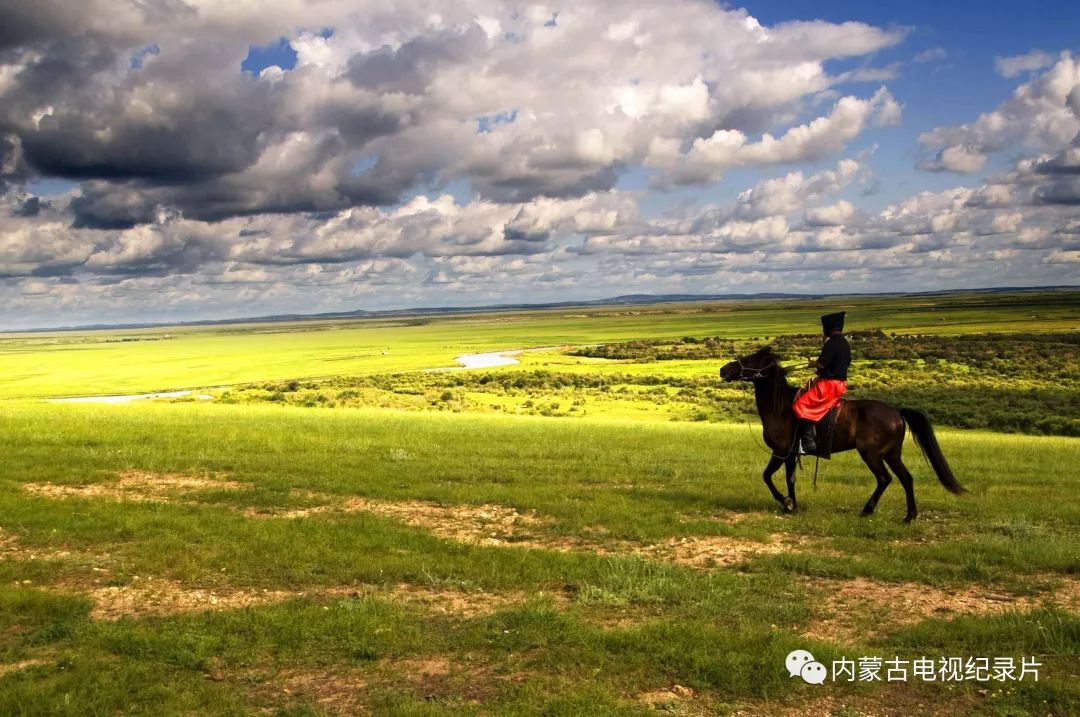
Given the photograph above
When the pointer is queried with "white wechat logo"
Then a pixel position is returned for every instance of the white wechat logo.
(801, 663)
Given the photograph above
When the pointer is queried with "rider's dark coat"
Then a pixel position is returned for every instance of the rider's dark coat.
(835, 358)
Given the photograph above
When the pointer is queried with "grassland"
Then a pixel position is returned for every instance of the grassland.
(144, 360)
(438, 556)
(1005, 382)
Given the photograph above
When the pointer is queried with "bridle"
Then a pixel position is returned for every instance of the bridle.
(754, 374)
(757, 372)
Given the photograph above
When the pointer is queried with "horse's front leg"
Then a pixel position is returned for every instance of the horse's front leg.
(774, 464)
(790, 504)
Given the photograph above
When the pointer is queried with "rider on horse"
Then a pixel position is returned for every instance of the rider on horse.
(814, 403)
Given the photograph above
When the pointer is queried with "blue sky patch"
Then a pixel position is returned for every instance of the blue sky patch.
(279, 53)
(488, 123)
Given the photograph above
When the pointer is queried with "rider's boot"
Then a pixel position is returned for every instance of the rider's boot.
(807, 444)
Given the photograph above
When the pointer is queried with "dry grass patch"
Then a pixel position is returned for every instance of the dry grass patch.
(11, 549)
(477, 524)
(13, 667)
(487, 524)
(135, 486)
(708, 551)
(676, 693)
(349, 690)
(499, 525)
(459, 603)
(337, 690)
(150, 596)
(160, 596)
(899, 699)
(850, 605)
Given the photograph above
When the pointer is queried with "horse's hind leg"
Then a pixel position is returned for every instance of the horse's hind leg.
(901, 471)
(877, 467)
(774, 464)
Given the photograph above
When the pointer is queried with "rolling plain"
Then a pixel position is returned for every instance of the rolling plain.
(331, 524)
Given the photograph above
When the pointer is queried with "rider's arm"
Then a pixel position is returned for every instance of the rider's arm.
(827, 353)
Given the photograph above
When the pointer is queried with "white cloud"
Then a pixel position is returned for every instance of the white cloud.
(582, 94)
(837, 214)
(1040, 115)
(1019, 64)
(429, 153)
(709, 157)
(933, 54)
(961, 158)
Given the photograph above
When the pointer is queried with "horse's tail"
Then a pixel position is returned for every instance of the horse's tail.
(923, 433)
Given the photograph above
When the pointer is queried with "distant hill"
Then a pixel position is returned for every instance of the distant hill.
(622, 300)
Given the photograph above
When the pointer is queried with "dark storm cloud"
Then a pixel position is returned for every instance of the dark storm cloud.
(182, 128)
(26, 23)
(411, 67)
(1066, 192)
(472, 145)
(31, 207)
(55, 71)
(167, 123)
(524, 186)
(1068, 162)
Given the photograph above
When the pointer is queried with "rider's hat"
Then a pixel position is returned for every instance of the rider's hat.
(832, 322)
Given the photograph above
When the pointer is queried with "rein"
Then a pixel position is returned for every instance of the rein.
(758, 373)
(755, 375)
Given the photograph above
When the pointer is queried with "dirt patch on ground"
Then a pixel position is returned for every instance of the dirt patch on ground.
(900, 699)
(160, 596)
(710, 551)
(499, 525)
(826, 707)
(424, 668)
(488, 524)
(11, 667)
(335, 690)
(136, 486)
(855, 608)
(658, 698)
(149, 595)
(479, 524)
(466, 678)
(12, 549)
(463, 604)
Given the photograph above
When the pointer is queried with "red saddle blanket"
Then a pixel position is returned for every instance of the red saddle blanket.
(824, 393)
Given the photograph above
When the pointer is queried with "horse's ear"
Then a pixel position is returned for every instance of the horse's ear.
(765, 350)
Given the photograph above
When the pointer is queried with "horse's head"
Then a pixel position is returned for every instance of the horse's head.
(757, 365)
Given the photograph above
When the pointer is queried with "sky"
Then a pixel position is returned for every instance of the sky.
(169, 160)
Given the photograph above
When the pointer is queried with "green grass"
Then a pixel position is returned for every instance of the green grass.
(1007, 382)
(631, 624)
(143, 360)
(595, 611)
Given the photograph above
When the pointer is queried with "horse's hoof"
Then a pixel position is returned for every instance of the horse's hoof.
(789, 506)
(910, 517)
(866, 512)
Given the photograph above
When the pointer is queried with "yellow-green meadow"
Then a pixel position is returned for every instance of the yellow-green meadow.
(336, 531)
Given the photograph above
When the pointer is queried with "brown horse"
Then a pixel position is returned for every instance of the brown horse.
(873, 428)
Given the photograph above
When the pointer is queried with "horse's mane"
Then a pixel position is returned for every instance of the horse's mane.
(777, 358)
(780, 385)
